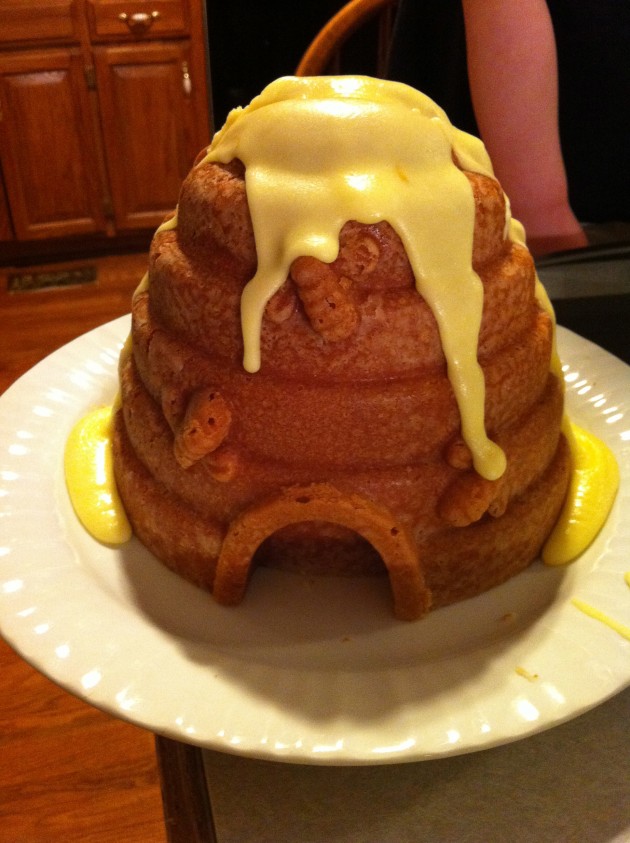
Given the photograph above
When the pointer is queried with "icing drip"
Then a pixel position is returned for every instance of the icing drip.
(321, 151)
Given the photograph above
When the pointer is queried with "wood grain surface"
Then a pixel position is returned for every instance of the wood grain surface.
(68, 772)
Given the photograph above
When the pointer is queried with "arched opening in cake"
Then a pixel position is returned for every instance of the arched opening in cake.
(320, 548)
(323, 503)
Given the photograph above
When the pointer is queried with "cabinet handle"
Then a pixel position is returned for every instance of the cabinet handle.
(186, 80)
(139, 22)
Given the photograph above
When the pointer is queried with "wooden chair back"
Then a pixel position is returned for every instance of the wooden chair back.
(324, 54)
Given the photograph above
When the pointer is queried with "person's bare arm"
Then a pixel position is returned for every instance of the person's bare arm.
(513, 76)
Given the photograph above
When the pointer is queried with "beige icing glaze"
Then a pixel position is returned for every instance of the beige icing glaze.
(320, 151)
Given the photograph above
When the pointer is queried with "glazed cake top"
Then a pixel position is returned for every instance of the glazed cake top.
(320, 151)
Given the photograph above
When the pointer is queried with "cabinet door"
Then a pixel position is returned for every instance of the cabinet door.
(147, 108)
(6, 228)
(47, 145)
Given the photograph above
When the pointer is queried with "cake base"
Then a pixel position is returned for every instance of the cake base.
(449, 565)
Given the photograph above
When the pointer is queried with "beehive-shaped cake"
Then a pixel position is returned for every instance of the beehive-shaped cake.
(340, 358)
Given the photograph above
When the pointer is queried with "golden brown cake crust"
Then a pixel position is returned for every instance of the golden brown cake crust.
(439, 568)
(344, 453)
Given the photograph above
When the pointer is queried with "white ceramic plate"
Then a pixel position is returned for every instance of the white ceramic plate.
(305, 670)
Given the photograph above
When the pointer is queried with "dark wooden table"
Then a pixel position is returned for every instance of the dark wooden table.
(68, 772)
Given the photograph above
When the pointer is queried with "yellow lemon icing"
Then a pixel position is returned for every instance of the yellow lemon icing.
(602, 617)
(592, 490)
(89, 471)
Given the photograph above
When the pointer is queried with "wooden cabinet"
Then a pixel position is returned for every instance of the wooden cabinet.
(115, 20)
(149, 123)
(6, 229)
(103, 107)
(26, 21)
(49, 150)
